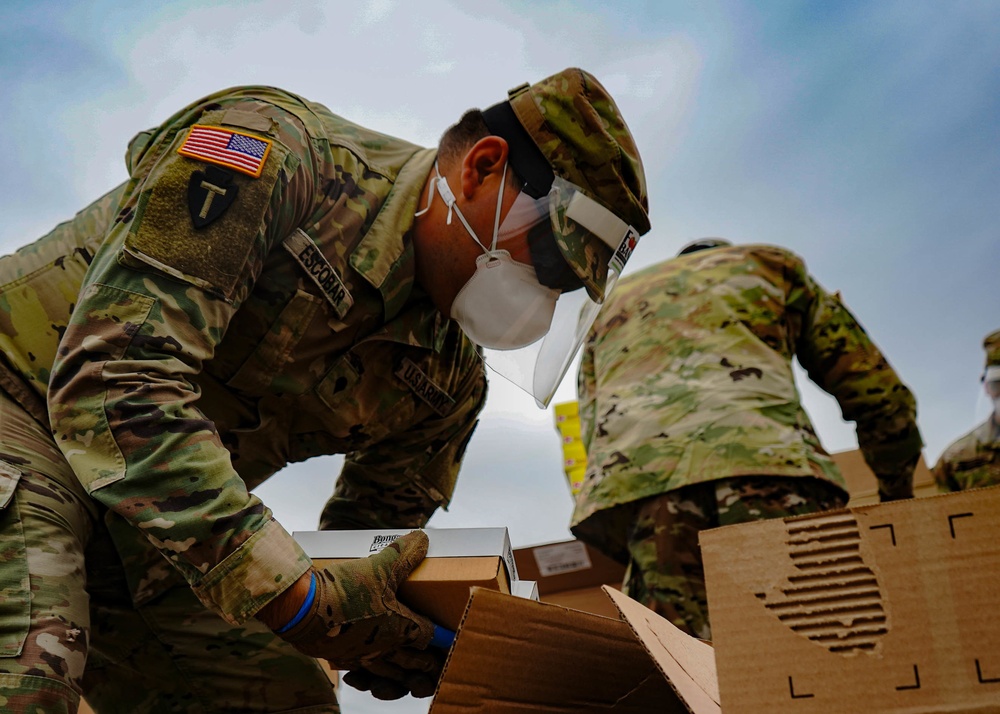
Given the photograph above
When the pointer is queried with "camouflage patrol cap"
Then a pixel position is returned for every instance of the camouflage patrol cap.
(575, 125)
(991, 343)
(704, 244)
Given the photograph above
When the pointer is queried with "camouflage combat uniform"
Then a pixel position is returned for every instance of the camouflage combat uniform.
(973, 460)
(691, 417)
(173, 346)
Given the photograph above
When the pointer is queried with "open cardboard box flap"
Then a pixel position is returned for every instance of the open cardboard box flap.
(517, 655)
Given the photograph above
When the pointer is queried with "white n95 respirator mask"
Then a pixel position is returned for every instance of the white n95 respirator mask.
(503, 306)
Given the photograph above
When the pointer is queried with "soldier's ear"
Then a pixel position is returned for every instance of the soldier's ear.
(484, 161)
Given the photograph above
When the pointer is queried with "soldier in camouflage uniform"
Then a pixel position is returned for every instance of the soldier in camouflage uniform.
(272, 283)
(973, 461)
(691, 418)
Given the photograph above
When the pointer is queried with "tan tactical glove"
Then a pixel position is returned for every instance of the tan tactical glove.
(405, 671)
(354, 618)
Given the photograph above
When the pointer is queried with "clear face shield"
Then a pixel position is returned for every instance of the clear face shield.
(547, 233)
(991, 383)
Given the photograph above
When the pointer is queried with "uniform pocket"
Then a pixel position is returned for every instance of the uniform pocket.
(361, 405)
(37, 307)
(271, 356)
(351, 416)
(14, 585)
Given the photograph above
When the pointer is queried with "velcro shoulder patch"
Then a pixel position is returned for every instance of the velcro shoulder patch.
(318, 268)
(226, 147)
(193, 227)
(422, 385)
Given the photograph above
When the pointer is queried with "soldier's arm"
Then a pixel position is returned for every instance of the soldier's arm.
(839, 356)
(944, 476)
(154, 306)
(586, 392)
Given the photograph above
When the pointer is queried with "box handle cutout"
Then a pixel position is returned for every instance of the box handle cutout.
(832, 596)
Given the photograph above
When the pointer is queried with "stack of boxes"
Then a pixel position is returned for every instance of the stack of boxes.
(567, 416)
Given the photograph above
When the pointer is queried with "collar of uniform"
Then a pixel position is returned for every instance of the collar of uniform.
(137, 149)
(419, 324)
(382, 257)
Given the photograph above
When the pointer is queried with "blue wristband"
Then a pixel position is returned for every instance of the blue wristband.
(306, 604)
(442, 637)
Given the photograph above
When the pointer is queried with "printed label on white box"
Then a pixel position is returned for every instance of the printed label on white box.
(561, 558)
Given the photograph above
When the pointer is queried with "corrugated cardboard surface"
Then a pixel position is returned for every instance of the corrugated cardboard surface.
(687, 662)
(888, 608)
(592, 600)
(515, 655)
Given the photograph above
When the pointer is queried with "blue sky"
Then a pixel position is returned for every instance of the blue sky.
(862, 135)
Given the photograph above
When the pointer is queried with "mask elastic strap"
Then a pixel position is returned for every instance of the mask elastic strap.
(430, 193)
(496, 216)
(449, 199)
(444, 190)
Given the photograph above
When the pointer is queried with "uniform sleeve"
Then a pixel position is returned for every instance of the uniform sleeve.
(944, 476)
(840, 357)
(586, 391)
(968, 462)
(153, 308)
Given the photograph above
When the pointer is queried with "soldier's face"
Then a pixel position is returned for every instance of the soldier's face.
(458, 227)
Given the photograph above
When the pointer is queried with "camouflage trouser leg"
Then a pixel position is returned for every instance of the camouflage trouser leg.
(174, 655)
(44, 527)
(68, 624)
(665, 571)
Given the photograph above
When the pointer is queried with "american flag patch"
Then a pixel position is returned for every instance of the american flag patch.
(215, 145)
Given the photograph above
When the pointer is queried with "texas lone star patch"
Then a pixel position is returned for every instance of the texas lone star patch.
(232, 149)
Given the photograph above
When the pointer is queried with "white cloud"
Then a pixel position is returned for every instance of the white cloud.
(377, 11)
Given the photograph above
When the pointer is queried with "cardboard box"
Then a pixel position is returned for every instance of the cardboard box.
(457, 560)
(863, 486)
(571, 573)
(525, 588)
(888, 608)
(515, 656)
